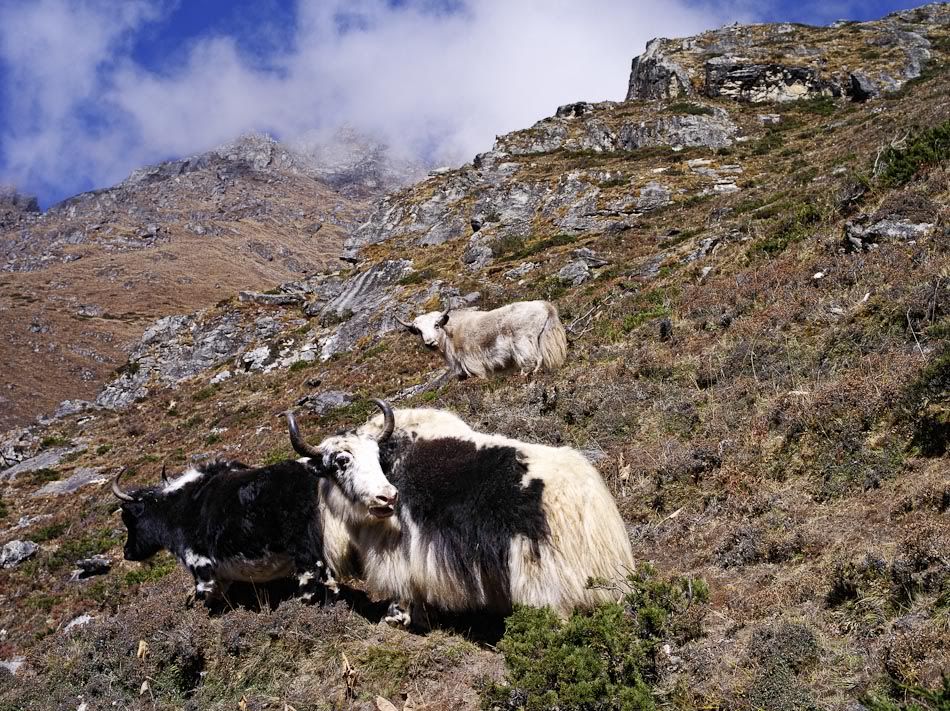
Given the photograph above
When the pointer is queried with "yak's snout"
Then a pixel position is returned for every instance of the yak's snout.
(384, 505)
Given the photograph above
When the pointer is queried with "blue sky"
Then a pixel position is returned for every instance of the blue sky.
(91, 89)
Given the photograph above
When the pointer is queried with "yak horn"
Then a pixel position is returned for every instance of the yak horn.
(389, 420)
(164, 475)
(299, 445)
(407, 326)
(116, 489)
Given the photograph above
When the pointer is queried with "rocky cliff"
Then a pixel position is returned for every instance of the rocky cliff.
(752, 256)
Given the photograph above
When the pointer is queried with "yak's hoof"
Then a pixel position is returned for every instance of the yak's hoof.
(397, 617)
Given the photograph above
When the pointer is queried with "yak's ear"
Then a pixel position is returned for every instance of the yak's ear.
(444, 320)
(318, 467)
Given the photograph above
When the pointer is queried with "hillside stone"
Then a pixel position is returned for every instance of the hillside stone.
(15, 552)
(46, 459)
(72, 407)
(327, 401)
(17, 445)
(89, 567)
(84, 476)
(862, 87)
(575, 110)
(864, 234)
(13, 665)
(707, 131)
(653, 195)
(574, 273)
(757, 83)
(271, 299)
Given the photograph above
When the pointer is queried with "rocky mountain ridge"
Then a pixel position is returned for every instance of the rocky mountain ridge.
(756, 293)
(86, 276)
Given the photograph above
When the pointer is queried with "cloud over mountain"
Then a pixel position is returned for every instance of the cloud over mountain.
(433, 79)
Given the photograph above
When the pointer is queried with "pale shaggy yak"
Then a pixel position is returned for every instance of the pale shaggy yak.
(480, 522)
(526, 335)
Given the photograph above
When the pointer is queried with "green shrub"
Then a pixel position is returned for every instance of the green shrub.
(276, 456)
(929, 147)
(790, 229)
(48, 533)
(819, 105)
(298, 365)
(769, 142)
(686, 107)
(418, 277)
(526, 250)
(83, 547)
(41, 476)
(922, 700)
(54, 441)
(926, 407)
(603, 659)
(205, 392)
(507, 247)
(155, 569)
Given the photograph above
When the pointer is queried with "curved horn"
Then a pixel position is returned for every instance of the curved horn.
(164, 475)
(389, 420)
(408, 326)
(298, 442)
(117, 490)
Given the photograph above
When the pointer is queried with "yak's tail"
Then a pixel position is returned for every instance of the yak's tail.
(553, 341)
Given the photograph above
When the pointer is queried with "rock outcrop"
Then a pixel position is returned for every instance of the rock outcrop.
(787, 62)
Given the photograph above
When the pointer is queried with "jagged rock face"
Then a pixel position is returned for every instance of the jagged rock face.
(785, 62)
(16, 207)
(175, 348)
(756, 83)
(654, 76)
(360, 306)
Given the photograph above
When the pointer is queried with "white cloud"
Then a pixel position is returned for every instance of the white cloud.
(427, 80)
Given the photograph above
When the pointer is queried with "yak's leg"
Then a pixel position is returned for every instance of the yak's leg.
(207, 586)
(210, 590)
(312, 573)
(537, 364)
(409, 614)
(398, 614)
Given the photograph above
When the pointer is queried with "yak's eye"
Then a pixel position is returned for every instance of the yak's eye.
(342, 459)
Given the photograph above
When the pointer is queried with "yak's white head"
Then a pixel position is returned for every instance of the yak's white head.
(431, 327)
(351, 461)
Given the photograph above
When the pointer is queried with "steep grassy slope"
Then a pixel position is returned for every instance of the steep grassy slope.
(760, 367)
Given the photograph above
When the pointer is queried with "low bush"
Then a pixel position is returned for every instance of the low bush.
(928, 147)
(603, 659)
